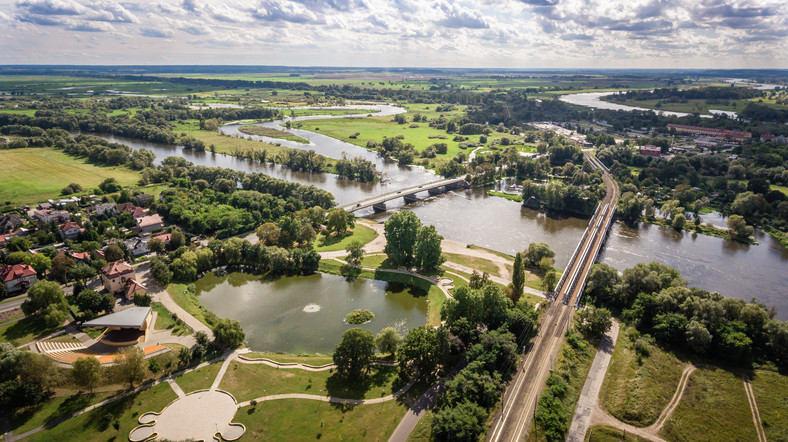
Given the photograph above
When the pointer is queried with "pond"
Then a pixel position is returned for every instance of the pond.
(305, 314)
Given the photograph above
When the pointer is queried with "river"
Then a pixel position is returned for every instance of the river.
(471, 216)
(593, 100)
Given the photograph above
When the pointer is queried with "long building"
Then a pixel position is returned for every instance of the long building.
(719, 134)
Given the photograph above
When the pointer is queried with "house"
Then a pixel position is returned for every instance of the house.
(116, 275)
(104, 208)
(149, 223)
(134, 288)
(10, 222)
(124, 207)
(164, 237)
(69, 230)
(137, 246)
(49, 215)
(650, 150)
(4, 239)
(79, 257)
(144, 199)
(44, 206)
(17, 277)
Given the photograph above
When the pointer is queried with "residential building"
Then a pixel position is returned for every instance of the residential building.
(69, 230)
(79, 257)
(149, 223)
(134, 288)
(137, 246)
(144, 199)
(650, 150)
(104, 208)
(49, 215)
(10, 222)
(17, 277)
(116, 275)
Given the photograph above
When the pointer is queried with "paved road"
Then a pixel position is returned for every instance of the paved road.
(590, 392)
(13, 303)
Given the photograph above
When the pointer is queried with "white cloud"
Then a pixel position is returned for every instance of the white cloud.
(472, 33)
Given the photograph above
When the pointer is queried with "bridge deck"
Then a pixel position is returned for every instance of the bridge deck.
(401, 193)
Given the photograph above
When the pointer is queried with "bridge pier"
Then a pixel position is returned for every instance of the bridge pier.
(410, 198)
(457, 185)
(379, 207)
(436, 190)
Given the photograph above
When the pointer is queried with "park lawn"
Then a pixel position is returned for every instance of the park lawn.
(360, 233)
(302, 420)
(250, 381)
(714, 407)
(93, 425)
(225, 143)
(377, 261)
(271, 133)
(199, 379)
(605, 433)
(771, 393)
(315, 360)
(636, 393)
(375, 128)
(36, 174)
(187, 301)
(494, 252)
(25, 330)
(52, 410)
(165, 321)
(473, 262)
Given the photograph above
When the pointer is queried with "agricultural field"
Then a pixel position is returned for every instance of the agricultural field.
(22, 180)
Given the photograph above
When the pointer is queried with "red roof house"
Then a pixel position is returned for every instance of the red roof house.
(17, 277)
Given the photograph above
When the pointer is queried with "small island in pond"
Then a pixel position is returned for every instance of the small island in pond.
(361, 316)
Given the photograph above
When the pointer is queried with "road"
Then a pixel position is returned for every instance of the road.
(13, 303)
(522, 396)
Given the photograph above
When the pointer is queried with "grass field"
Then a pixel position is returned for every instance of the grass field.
(199, 379)
(360, 233)
(24, 330)
(375, 128)
(472, 262)
(97, 425)
(287, 357)
(52, 410)
(604, 433)
(771, 394)
(714, 407)
(164, 321)
(271, 133)
(636, 393)
(36, 174)
(187, 301)
(305, 420)
(250, 381)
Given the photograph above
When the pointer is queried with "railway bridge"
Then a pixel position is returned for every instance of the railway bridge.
(522, 395)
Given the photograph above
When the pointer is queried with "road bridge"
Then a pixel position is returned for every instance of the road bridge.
(409, 194)
(522, 395)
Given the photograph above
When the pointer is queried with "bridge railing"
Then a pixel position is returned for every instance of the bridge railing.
(573, 259)
(604, 231)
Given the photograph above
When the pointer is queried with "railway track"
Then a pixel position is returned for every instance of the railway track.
(520, 399)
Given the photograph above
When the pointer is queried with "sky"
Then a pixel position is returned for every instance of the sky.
(725, 34)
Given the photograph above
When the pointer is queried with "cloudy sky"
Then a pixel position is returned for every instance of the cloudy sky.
(440, 33)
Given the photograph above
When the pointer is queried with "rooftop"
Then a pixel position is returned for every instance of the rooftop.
(133, 317)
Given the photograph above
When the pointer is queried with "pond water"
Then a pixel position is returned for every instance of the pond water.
(305, 314)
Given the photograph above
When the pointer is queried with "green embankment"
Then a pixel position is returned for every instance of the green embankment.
(360, 233)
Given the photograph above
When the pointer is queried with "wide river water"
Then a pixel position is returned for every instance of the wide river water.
(471, 216)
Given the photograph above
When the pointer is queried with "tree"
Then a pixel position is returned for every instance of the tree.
(40, 263)
(82, 272)
(601, 282)
(738, 227)
(268, 234)
(679, 221)
(113, 253)
(177, 240)
(130, 365)
(306, 235)
(462, 423)
(86, 373)
(355, 251)
(354, 354)
(427, 250)
(160, 271)
(156, 245)
(338, 221)
(184, 356)
(46, 297)
(61, 265)
(289, 228)
(401, 230)
(228, 333)
(594, 322)
(536, 251)
(698, 337)
(110, 185)
(518, 277)
(745, 204)
(388, 340)
(93, 303)
(424, 350)
(550, 280)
